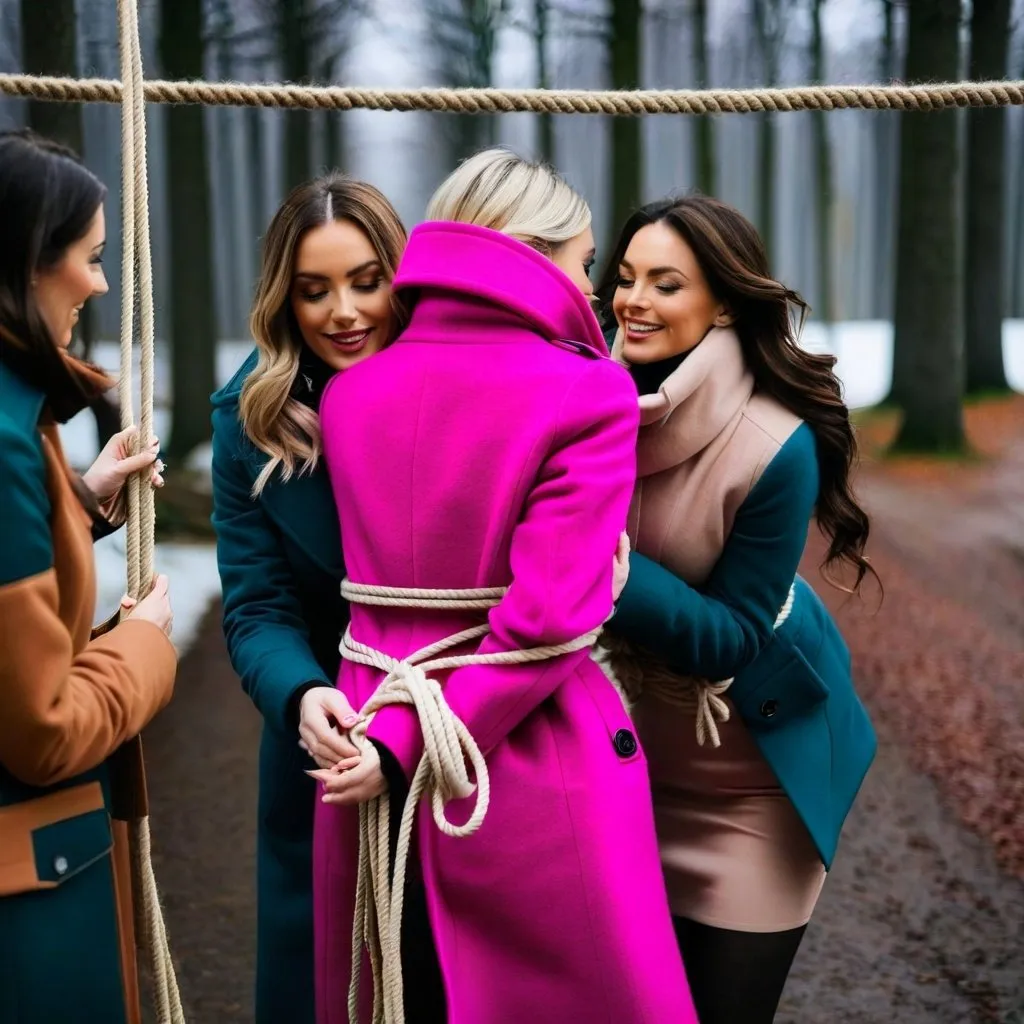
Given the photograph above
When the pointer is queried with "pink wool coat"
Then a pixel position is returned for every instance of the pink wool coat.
(494, 444)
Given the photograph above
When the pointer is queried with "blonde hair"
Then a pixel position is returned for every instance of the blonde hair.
(497, 189)
(279, 425)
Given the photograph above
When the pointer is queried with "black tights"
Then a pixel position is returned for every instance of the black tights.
(423, 991)
(424, 988)
(736, 977)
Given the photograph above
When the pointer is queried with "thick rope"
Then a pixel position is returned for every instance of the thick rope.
(442, 773)
(141, 513)
(931, 96)
(636, 671)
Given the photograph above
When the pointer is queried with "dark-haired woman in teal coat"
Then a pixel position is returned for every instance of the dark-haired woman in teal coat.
(755, 738)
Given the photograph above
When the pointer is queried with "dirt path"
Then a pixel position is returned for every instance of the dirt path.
(922, 919)
(201, 757)
(916, 925)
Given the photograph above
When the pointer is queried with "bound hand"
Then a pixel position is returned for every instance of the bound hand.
(325, 716)
(353, 780)
(107, 475)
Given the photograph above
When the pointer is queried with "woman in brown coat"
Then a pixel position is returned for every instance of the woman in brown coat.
(67, 702)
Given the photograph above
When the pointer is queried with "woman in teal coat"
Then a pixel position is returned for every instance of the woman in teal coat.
(323, 302)
(755, 738)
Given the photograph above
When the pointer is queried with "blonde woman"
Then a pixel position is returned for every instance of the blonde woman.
(323, 303)
(493, 446)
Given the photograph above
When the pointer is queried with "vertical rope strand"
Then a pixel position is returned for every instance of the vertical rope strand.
(147, 334)
(136, 258)
(125, 395)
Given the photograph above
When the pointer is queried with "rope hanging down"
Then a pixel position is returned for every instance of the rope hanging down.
(441, 775)
(934, 96)
(141, 513)
(636, 671)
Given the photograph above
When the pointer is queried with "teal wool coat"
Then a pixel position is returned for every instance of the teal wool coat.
(281, 569)
(793, 687)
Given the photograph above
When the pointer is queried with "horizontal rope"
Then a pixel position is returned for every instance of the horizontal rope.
(413, 597)
(938, 96)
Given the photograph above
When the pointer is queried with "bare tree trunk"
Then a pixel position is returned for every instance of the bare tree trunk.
(292, 17)
(704, 127)
(225, 220)
(627, 149)
(986, 206)
(767, 16)
(928, 374)
(334, 127)
(193, 332)
(766, 183)
(823, 173)
(257, 169)
(887, 128)
(545, 121)
(465, 34)
(49, 46)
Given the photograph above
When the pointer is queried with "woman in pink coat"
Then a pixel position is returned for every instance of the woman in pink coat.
(492, 445)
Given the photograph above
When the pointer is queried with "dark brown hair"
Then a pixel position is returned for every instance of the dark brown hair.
(734, 262)
(47, 202)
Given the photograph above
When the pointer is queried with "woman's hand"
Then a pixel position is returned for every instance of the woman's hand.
(325, 716)
(107, 475)
(620, 566)
(353, 780)
(155, 607)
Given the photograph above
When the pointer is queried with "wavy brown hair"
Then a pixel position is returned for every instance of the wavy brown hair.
(279, 425)
(734, 262)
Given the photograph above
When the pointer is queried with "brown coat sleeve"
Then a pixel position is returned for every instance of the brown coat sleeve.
(64, 713)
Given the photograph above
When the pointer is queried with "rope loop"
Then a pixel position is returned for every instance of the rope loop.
(452, 768)
(637, 671)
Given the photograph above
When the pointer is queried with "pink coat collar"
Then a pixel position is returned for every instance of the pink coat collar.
(498, 271)
(695, 403)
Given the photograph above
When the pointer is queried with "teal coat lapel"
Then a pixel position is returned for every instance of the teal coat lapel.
(303, 509)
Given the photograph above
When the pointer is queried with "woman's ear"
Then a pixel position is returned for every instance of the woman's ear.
(724, 318)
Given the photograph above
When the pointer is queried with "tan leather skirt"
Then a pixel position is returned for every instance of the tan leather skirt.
(735, 853)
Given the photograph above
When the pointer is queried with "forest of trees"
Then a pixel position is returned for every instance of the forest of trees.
(915, 217)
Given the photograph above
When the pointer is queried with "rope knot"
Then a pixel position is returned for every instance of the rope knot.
(640, 671)
(452, 768)
(711, 709)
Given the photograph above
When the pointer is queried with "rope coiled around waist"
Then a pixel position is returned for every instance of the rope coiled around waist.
(638, 671)
(442, 772)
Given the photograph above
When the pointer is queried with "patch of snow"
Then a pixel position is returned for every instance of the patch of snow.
(1013, 353)
(191, 569)
(863, 350)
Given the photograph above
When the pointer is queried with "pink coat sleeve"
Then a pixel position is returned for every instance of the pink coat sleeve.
(561, 559)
